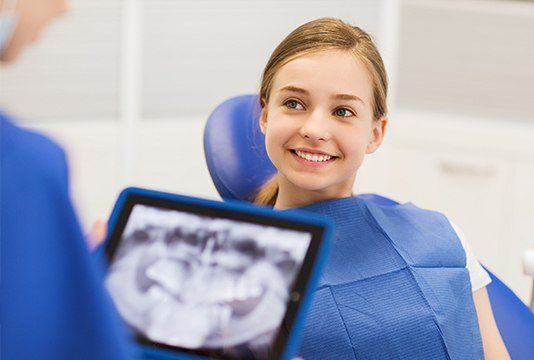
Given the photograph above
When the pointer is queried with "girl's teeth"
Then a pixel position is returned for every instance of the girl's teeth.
(314, 158)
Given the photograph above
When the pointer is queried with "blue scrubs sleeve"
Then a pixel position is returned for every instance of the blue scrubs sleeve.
(53, 304)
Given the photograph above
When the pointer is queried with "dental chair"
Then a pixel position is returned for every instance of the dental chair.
(239, 165)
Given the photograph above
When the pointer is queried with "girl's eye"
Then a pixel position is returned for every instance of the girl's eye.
(344, 112)
(293, 105)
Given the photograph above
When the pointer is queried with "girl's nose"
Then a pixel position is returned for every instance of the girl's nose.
(315, 127)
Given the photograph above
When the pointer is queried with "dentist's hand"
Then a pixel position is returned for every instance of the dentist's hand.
(97, 234)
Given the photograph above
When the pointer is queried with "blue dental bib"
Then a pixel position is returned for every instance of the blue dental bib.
(395, 286)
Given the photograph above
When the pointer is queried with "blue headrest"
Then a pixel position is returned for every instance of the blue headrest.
(235, 148)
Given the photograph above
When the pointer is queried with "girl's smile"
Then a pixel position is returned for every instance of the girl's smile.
(313, 158)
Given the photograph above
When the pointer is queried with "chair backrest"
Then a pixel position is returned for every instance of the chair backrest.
(238, 163)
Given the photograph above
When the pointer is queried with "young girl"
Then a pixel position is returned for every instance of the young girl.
(396, 283)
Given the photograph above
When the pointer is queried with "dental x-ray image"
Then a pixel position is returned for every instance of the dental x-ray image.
(198, 282)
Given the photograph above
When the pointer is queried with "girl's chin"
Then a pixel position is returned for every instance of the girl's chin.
(309, 183)
(320, 183)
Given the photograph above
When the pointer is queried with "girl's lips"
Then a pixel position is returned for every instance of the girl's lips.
(315, 164)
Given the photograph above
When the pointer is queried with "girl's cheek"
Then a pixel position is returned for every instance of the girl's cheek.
(282, 127)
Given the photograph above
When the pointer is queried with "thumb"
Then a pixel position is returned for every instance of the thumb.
(97, 235)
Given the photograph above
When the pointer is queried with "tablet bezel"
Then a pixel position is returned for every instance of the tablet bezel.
(319, 227)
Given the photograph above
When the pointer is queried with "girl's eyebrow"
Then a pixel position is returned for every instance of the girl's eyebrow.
(294, 89)
(347, 97)
(306, 92)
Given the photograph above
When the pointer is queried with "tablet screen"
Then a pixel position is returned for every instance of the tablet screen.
(212, 285)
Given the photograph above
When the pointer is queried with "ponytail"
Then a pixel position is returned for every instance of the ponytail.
(268, 193)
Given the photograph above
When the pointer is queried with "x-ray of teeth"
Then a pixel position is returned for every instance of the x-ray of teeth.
(204, 283)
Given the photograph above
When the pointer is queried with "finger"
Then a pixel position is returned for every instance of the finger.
(97, 235)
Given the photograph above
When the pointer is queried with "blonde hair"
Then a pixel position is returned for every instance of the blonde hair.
(315, 36)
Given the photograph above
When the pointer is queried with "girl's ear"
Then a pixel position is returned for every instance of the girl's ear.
(379, 130)
(263, 120)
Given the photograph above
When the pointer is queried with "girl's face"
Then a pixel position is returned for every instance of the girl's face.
(318, 123)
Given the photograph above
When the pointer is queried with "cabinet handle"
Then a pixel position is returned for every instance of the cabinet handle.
(464, 169)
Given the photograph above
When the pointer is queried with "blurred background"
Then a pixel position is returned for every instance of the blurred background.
(126, 87)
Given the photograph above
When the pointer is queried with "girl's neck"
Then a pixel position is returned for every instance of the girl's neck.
(291, 196)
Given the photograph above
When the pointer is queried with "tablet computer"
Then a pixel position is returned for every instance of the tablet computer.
(213, 279)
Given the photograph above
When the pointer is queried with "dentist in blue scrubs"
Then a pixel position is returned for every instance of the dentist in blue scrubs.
(53, 305)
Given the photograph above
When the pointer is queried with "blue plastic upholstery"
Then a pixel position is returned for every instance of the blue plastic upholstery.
(238, 163)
